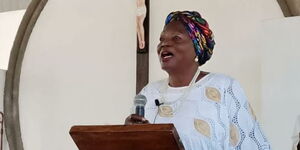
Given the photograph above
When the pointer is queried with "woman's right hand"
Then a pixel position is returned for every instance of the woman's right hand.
(135, 119)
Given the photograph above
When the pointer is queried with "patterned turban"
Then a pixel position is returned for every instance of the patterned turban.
(198, 30)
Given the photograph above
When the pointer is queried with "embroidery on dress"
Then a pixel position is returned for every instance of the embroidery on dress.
(165, 111)
(213, 94)
(234, 135)
(234, 120)
(202, 127)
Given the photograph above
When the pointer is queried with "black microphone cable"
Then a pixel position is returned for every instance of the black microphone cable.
(157, 103)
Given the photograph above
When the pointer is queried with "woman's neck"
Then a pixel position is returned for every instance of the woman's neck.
(182, 78)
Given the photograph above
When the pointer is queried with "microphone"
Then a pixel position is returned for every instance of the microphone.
(157, 103)
(139, 103)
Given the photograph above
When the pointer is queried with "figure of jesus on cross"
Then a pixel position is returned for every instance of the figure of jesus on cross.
(142, 27)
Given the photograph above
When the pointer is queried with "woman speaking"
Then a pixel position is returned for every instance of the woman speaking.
(210, 111)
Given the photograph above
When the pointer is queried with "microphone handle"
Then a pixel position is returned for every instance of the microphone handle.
(140, 110)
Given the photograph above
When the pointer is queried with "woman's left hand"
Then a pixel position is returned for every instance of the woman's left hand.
(135, 119)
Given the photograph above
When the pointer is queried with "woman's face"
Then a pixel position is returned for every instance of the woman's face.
(175, 50)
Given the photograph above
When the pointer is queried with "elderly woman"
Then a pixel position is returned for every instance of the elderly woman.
(210, 111)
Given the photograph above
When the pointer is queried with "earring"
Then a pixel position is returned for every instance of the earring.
(196, 59)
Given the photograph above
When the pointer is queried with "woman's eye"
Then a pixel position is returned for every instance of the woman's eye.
(177, 38)
(161, 39)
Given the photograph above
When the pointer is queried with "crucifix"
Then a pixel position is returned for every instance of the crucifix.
(142, 57)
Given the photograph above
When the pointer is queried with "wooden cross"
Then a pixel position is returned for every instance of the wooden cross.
(142, 57)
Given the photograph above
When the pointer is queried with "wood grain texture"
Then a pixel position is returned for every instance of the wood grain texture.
(127, 137)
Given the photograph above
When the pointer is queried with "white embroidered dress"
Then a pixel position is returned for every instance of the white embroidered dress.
(214, 116)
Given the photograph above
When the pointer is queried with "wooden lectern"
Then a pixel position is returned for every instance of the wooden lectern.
(127, 137)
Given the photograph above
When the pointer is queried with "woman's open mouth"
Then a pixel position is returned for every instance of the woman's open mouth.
(165, 56)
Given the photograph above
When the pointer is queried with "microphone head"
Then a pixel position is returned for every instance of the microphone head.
(140, 100)
(157, 102)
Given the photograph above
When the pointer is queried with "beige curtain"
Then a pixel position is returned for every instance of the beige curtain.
(290, 7)
(294, 6)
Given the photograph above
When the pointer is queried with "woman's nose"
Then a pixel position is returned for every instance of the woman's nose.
(165, 43)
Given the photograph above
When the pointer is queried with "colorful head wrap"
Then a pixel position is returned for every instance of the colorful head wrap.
(198, 30)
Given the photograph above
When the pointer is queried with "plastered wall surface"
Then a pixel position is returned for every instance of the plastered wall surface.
(280, 80)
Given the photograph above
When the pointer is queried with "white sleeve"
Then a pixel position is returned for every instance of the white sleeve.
(245, 133)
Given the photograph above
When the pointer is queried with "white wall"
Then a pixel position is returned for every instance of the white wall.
(79, 67)
(9, 24)
(280, 80)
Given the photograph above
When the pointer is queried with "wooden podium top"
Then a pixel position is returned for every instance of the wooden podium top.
(127, 137)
